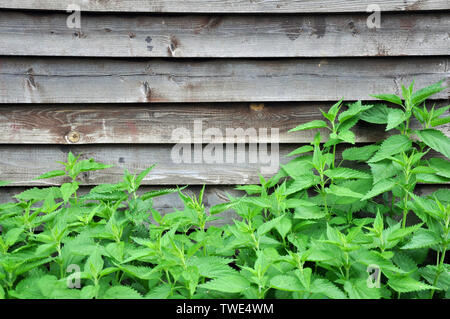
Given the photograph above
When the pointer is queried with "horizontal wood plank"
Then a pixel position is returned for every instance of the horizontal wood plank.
(21, 164)
(158, 124)
(67, 80)
(235, 6)
(213, 195)
(30, 33)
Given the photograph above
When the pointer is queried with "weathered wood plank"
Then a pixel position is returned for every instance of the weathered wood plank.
(21, 164)
(235, 6)
(141, 124)
(61, 80)
(34, 33)
(213, 195)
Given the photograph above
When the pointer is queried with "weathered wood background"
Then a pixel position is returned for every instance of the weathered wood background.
(117, 87)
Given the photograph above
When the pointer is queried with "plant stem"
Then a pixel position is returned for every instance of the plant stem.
(334, 156)
(405, 210)
(439, 271)
(324, 194)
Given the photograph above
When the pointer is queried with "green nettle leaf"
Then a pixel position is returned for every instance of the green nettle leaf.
(436, 140)
(257, 202)
(422, 238)
(310, 125)
(407, 284)
(348, 124)
(421, 95)
(371, 257)
(286, 283)
(87, 165)
(383, 170)
(301, 183)
(431, 272)
(392, 145)
(159, 192)
(346, 173)
(301, 150)
(353, 110)
(143, 174)
(268, 226)
(360, 154)
(295, 202)
(440, 121)
(378, 114)
(39, 194)
(333, 111)
(359, 289)
(52, 174)
(68, 189)
(284, 226)
(389, 98)
(347, 136)
(342, 192)
(440, 111)
(395, 118)
(212, 266)
(160, 292)
(121, 292)
(140, 272)
(380, 187)
(250, 189)
(12, 236)
(309, 212)
(327, 288)
(228, 284)
(431, 179)
(94, 264)
(402, 232)
(440, 166)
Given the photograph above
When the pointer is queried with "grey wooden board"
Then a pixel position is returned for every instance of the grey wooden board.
(67, 80)
(23, 163)
(34, 33)
(213, 195)
(235, 6)
(140, 123)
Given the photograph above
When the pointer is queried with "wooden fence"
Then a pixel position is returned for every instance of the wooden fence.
(116, 86)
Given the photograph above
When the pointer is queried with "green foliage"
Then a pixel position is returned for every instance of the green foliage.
(317, 229)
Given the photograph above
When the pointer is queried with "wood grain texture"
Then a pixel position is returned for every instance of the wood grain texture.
(67, 80)
(213, 195)
(21, 164)
(234, 6)
(156, 124)
(15, 164)
(47, 34)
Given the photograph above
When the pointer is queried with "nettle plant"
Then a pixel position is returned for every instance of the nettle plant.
(330, 224)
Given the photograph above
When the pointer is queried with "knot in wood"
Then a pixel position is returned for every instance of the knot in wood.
(73, 137)
(257, 106)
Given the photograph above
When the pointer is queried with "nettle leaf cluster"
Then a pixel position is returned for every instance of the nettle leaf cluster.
(335, 222)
